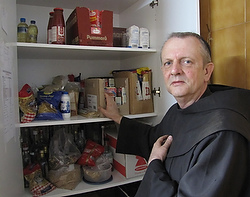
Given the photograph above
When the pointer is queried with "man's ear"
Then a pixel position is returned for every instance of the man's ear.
(208, 69)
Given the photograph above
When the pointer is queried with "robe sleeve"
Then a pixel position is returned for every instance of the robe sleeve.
(135, 138)
(218, 168)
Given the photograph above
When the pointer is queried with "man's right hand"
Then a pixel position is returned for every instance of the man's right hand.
(111, 110)
(160, 148)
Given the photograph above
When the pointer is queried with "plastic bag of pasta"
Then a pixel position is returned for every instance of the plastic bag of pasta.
(49, 105)
(27, 104)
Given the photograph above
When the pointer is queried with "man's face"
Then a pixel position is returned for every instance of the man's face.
(182, 65)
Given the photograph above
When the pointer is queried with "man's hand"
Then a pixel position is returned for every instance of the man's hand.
(111, 110)
(160, 148)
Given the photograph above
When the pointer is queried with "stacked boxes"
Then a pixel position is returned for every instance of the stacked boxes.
(140, 98)
(132, 94)
(96, 87)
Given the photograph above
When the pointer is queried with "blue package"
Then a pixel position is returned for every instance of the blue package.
(49, 105)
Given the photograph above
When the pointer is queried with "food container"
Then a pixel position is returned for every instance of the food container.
(95, 175)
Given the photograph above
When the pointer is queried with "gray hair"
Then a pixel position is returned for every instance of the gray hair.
(205, 48)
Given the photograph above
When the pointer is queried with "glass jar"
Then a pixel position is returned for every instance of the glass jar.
(58, 27)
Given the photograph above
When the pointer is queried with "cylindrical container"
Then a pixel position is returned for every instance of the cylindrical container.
(133, 33)
(49, 31)
(65, 105)
(58, 27)
(32, 32)
(22, 30)
(144, 38)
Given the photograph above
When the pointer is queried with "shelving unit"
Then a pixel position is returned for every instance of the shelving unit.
(55, 51)
(74, 52)
(79, 120)
(83, 187)
(49, 51)
(36, 64)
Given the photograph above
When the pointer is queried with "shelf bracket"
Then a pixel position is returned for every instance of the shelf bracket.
(154, 91)
(153, 3)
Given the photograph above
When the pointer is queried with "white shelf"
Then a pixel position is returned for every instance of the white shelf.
(84, 187)
(79, 120)
(77, 52)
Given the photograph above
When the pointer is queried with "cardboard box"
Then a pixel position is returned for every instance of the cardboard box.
(137, 106)
(124, 107)
(80, 29)
(128, 165)
(95, 89)
(119, 37)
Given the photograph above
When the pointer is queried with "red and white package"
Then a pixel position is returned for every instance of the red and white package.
(91, 152)
(95, 18)
(27, 104)
(37, 184)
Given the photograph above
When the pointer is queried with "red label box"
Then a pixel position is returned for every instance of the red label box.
(90, 27)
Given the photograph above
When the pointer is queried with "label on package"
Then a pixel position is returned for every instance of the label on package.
(92, 102)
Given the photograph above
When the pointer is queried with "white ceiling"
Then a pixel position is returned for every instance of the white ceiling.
(117, 6)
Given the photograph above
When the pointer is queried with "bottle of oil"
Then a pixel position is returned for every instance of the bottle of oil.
(32, 32)
(22, 28)
(44, 165)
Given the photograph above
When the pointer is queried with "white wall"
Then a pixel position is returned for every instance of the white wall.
(168, 16)
(11, 178)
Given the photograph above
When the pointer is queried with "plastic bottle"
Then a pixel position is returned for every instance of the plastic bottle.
(32, 32)
(133, 33)
(107, 152)
(22, 28)
(58, 27)
(65, 105)
(49, 31)
(144, 38)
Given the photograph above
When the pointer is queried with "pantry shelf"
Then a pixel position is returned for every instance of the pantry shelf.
(79, 120)
(77, 52)
(84, 187)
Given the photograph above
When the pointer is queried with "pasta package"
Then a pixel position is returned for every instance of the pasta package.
(37, 184)
(49, 105)
(27, 104)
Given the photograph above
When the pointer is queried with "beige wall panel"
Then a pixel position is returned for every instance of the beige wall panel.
(248, 55)
(226, 13)
(228, 53)
(247, 10)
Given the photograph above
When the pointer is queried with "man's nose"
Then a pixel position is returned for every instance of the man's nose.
(176, 68)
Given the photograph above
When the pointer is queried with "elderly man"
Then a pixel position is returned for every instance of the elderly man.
(201, 146)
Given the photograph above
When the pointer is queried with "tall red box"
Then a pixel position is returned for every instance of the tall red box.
(79, 30)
